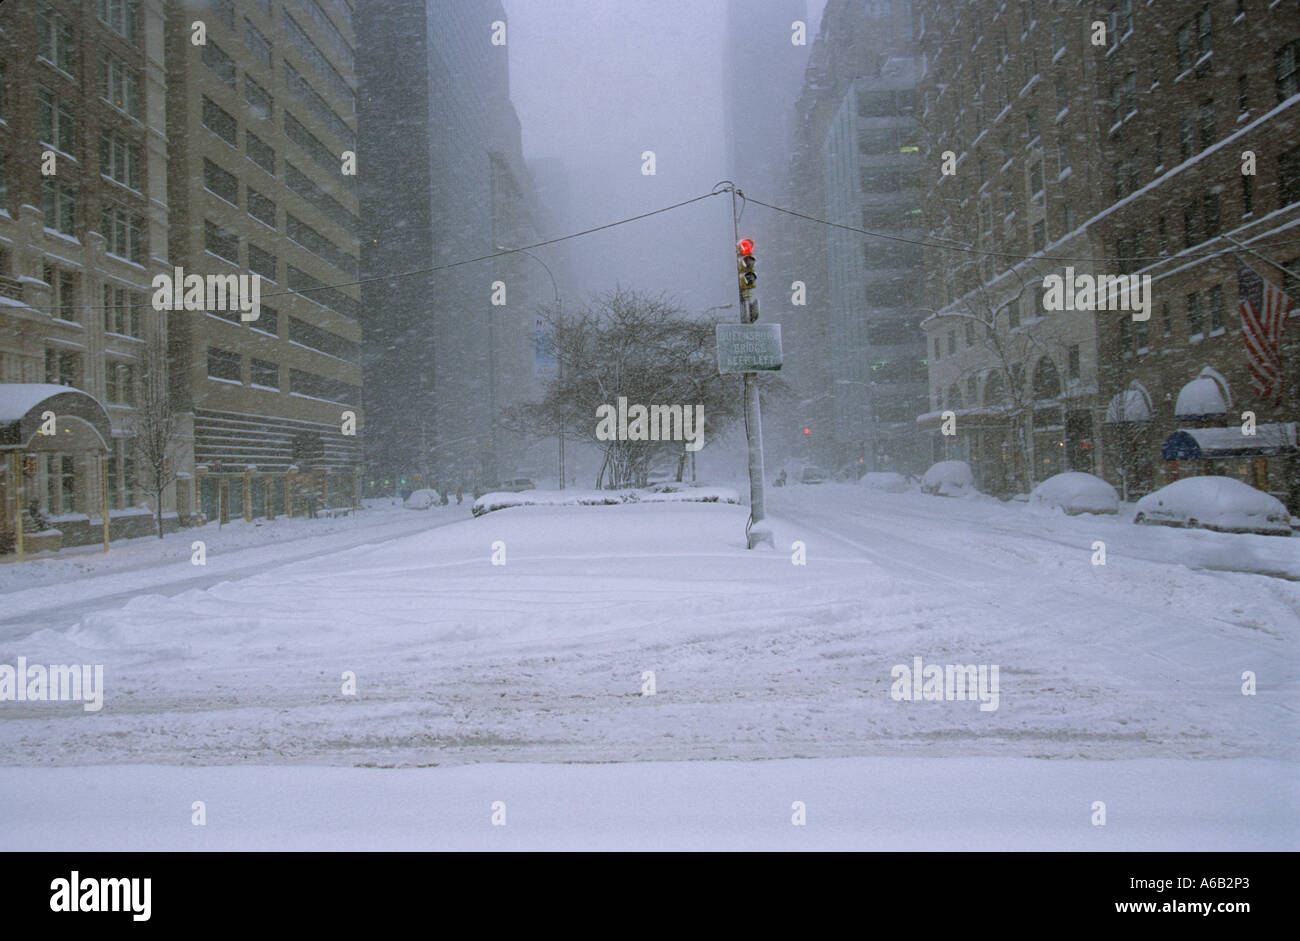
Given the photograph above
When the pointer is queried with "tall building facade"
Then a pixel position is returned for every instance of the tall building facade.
(260, 119)
(448, 349)
(1105, 152)
(853, 345)
(83, 229)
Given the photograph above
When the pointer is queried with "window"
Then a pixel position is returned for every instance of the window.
(67, 295)
(318, 244)
(952, 343)
(1162, 235)
(216, 58)
(120, 17)
(1158, 146)
(1129, 93)
(319, 293)
(261, 208)
(1204, 43)
(1142, 335)
(1166, 320)
(970, 338)
(119, 159)
(1036, 179)
(257, 44)
(124, 233)
(986, 216)
(938, 349)
(268, 322)
(1062, 91)
(120, 383)
(1243, 96)
(1205, 123)
(55, 40)
(1073, 362)
(1063, 162)
(220, 183)
(1247, 194)
(1195, 317)
(122, 311)
(259, 100)
(1210, 225)
(62, 368)
(224, 364)
(1040, 235)
(1031, 123)
(260, 152)
(1013, 316)
(4, 200)
(219, 122)
(1289, 177)
(119, 85)
(1286, 70)
(58, 126)
(1187, 140)
(1184, 47)
(59, 204)
(1191, 225)
(307, 49)
(320, 387)
(262, 373)
(303, 89)
(262, 262)
(1125, 21)
(220, 242)
(1214, 301)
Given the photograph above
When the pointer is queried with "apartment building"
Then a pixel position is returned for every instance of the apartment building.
(262, 180)
(83, 229)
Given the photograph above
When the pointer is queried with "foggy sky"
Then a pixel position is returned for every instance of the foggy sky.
(598, 82)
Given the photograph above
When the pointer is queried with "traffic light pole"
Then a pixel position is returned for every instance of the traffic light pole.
(757, 530)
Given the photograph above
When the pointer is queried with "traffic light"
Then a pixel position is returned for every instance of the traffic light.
(807, 431)
(745, 266)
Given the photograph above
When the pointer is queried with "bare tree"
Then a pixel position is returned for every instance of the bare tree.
(156, 427)
(646, 349)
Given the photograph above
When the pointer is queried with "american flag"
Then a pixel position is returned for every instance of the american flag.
(1264, 310)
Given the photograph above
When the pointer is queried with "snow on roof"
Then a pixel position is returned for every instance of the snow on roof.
(19, 398)
(1205, 395)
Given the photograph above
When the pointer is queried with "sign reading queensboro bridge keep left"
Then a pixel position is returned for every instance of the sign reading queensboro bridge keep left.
(749, 347)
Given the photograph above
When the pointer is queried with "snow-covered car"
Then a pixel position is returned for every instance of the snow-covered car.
(812, 475)
(422, 499)
(1218, 503)
(949, 479)
(1076, 492)
(887, 481)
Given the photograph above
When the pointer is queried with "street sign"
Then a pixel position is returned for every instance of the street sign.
(544, 363)
(749, 347)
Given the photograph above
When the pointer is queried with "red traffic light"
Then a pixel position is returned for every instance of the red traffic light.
(745, 246)
(807, 431)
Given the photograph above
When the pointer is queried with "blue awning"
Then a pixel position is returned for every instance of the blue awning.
(1180, 446)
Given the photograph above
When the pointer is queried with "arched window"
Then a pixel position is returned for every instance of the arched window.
(994, 392)
(954, 396)
(1047, 383)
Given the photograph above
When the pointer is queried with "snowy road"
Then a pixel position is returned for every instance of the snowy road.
(542, 659)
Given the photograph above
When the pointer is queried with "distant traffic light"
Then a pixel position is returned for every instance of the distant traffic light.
(807, 431)
(745, 266)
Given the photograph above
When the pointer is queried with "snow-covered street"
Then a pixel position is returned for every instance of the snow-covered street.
(544, 659)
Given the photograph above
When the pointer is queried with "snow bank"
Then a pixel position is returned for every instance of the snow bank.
(661, 494)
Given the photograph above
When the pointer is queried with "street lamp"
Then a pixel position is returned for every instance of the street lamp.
(559, 313)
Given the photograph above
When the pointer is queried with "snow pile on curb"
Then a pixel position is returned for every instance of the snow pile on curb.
(501, 501)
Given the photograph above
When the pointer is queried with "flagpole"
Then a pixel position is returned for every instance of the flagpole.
(1247, 248)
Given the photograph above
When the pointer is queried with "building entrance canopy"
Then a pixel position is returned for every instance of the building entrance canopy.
(81, 424)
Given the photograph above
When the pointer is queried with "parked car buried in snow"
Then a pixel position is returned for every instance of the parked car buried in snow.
(949, 479)
(422, 500)
(887, 481)
(1076, 492)
(812, 475)
(1219, 503)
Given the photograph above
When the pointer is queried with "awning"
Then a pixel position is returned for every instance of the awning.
(81, 422)
(1131, 405)
(1191, 444)
(1206, 396)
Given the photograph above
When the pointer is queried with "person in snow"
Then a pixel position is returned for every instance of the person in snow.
(780, 479)
(460, 494)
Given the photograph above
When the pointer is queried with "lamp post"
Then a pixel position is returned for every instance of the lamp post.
(559, 313)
